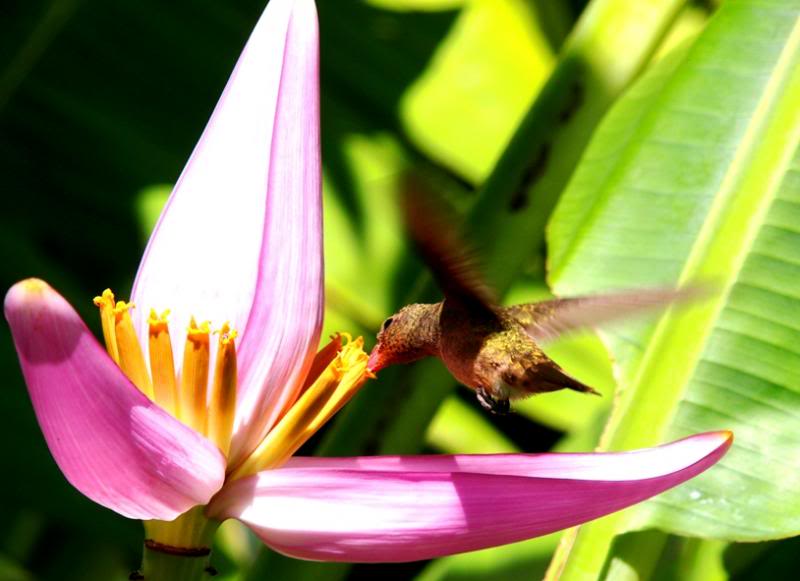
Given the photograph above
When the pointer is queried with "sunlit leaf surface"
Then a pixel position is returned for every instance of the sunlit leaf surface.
(695, 175)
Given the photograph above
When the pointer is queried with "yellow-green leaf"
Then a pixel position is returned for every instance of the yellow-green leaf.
(695, 175)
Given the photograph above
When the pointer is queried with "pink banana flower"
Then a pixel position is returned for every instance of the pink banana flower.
(185, 447)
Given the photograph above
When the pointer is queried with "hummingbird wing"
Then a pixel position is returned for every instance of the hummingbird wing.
(452, 262)
(547, 320)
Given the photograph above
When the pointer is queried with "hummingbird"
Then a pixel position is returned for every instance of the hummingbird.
(492, 349)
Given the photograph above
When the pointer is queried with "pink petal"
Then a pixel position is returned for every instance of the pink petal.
(363, 515)
(633, 465)
(241, 237)
(111, 442)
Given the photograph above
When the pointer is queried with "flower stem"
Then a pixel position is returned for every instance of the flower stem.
(179, 550)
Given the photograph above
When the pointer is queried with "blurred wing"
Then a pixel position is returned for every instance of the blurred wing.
(548, 320)
(452, 263)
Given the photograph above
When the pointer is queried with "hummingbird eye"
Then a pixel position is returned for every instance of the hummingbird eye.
(386, 323)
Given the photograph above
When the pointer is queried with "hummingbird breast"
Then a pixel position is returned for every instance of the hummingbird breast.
(486, 352)
(463, 335)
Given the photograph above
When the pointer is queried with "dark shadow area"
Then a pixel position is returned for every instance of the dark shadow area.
(768, 560)
(527, 435)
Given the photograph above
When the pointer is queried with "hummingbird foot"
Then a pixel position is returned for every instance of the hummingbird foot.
(493, 405)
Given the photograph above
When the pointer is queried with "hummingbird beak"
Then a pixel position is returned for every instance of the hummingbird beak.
(375, 362)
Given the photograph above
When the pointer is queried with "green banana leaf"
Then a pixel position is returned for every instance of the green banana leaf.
(524, 560)
(695, 176)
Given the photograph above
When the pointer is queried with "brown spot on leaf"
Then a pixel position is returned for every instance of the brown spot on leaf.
(532, 174)
(572, 103)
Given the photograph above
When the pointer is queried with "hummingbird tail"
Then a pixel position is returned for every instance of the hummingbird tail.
(556, 378)
(576, 385)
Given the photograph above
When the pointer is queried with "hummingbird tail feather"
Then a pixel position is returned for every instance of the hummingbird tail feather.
(556, 378)
(583, 388)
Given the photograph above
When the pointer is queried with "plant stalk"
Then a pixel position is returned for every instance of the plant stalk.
(178, 550)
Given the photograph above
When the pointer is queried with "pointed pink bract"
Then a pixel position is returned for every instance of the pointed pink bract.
(111, 442)
(401, 509)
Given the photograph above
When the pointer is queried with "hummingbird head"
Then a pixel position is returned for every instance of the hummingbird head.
(410, 334)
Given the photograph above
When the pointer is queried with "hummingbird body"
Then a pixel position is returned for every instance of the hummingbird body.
(490, 352)
(492, 349)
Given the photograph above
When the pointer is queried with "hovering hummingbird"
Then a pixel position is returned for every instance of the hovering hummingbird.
(492, 349)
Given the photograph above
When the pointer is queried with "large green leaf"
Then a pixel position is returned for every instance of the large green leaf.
(610, 45)
(695, 174)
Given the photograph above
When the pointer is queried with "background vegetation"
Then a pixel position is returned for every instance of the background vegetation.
(615, 144)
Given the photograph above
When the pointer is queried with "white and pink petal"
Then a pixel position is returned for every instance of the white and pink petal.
(240, 239)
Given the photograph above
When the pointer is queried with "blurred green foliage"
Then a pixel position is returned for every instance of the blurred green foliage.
(100, 106)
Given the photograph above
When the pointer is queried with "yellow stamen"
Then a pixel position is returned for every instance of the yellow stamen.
(223, 393)
(162, 362)
(338, 382)
(131, 359)
(324, 358)
(194, 377)
(106, 304)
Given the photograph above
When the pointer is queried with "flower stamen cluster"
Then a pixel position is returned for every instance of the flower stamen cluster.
(210, 409)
